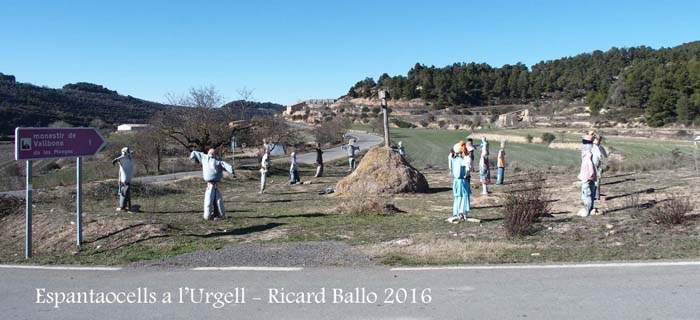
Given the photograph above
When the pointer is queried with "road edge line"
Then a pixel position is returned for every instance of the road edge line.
(35, 267)
(243, 268)
(555, 266)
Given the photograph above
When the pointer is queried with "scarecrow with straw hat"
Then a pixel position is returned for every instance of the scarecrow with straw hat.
(460, 165)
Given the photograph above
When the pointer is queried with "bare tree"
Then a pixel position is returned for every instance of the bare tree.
(273, 129)
(199, 123)
(245, 103)
(331, 131)
(149, 145)
(245, 93)
(202, 97)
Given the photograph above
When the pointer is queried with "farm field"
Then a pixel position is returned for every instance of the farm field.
(429, 147)
(169, 221)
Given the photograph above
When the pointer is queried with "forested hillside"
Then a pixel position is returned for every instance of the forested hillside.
(87, 104)
(79, 104)
(664, 83)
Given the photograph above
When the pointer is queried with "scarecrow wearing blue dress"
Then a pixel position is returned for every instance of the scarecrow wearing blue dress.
(460, 165)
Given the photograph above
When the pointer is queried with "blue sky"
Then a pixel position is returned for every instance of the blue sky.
(292, 50)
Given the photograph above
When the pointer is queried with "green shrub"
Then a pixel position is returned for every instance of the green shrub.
(529, 138)
(402, 124)
(547, 138)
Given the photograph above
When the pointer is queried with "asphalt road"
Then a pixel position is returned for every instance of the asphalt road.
(364, 141)
(608, 292)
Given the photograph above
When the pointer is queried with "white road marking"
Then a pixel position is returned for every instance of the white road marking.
(248, 269)
(5, 266)
(556, 266)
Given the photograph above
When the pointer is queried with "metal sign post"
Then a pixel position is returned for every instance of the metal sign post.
(79, 202)
(52, 143)
(28, 213)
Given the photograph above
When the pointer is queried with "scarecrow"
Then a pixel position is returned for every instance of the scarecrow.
(350, 148)
(484, 170)
(501, 163)
(587, 175)
(212, 172)
(600, 156)
(294, 170)
(126, 172)
(460, 165)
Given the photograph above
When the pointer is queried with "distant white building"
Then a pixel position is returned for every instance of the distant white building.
(131, 127)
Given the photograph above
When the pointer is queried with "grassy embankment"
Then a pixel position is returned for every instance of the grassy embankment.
(170, 220)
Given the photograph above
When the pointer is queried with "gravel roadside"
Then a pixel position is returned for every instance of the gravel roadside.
(294, 254)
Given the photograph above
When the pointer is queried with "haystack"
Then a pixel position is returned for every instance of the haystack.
(383, 170)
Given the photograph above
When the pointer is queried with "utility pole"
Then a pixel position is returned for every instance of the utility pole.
(383, 95)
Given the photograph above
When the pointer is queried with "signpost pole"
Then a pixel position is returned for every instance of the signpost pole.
(28, 213)
(79, 203)
(50, 143)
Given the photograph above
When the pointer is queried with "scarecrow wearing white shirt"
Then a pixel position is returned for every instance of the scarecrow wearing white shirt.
(350, 148)
(401, 149)
(294, 170)
(484, 169)
(265, 164)
(126, 172)
(600, 155)
(212, 172)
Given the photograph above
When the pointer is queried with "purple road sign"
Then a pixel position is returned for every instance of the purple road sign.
(45, 143)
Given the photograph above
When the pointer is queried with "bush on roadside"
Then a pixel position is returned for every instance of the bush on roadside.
(522, 208)
(547, 138)
(672, 211)
(529, 138)
(10, 205)
(51, 166)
